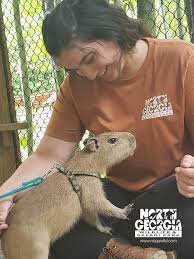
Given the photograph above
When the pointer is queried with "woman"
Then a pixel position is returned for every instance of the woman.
(121, 79)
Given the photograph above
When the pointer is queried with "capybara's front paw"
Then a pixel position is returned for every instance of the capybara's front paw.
(128, 209)
(121, 214)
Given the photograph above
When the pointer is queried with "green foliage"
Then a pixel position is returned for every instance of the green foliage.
(23, 142)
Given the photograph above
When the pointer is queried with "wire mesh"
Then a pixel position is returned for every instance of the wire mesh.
(34, 78)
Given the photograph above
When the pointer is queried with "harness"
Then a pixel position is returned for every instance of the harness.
(71, 175)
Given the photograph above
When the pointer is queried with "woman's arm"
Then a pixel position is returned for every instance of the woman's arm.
(49, 151)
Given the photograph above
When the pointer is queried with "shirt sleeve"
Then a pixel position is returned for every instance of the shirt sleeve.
(189, 98)
(65, 123)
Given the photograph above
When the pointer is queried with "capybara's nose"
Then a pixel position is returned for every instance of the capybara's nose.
(132, 140)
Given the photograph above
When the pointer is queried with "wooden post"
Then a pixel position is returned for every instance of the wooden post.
(7, 151)
(9, 141)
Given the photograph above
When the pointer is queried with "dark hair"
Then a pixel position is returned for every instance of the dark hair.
(89, 20)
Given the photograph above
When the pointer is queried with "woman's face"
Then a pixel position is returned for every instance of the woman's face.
(98, 59)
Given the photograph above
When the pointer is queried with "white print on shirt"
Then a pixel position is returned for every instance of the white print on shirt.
(157, 106)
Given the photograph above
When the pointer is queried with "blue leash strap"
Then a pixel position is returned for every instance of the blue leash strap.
(24, 186)
(33, 182)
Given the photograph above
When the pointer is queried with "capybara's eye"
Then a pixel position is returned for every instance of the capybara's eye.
(112, 140)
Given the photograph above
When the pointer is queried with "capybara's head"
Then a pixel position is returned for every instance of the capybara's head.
(110, 148)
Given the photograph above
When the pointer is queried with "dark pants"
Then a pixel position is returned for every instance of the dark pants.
(85, 242)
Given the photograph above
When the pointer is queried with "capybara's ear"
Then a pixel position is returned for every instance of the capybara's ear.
(92, 144)
(85, 141)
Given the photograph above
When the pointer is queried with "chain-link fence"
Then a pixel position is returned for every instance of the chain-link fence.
(34, 79)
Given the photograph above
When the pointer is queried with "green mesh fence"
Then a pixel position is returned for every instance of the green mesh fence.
(34, 78)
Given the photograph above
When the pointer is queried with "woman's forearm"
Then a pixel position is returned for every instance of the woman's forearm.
(40, 162)
(34, 166)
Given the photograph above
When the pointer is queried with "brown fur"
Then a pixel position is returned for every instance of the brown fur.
(51, 209)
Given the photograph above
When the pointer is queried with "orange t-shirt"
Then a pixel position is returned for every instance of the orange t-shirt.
(156, 105)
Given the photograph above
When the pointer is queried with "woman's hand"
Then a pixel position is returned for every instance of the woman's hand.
(5, 207)
(185, 176)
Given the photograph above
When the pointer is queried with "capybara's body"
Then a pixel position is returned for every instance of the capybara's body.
(51, 209)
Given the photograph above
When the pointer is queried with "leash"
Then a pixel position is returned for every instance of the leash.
(28, 184)
(36, 181)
